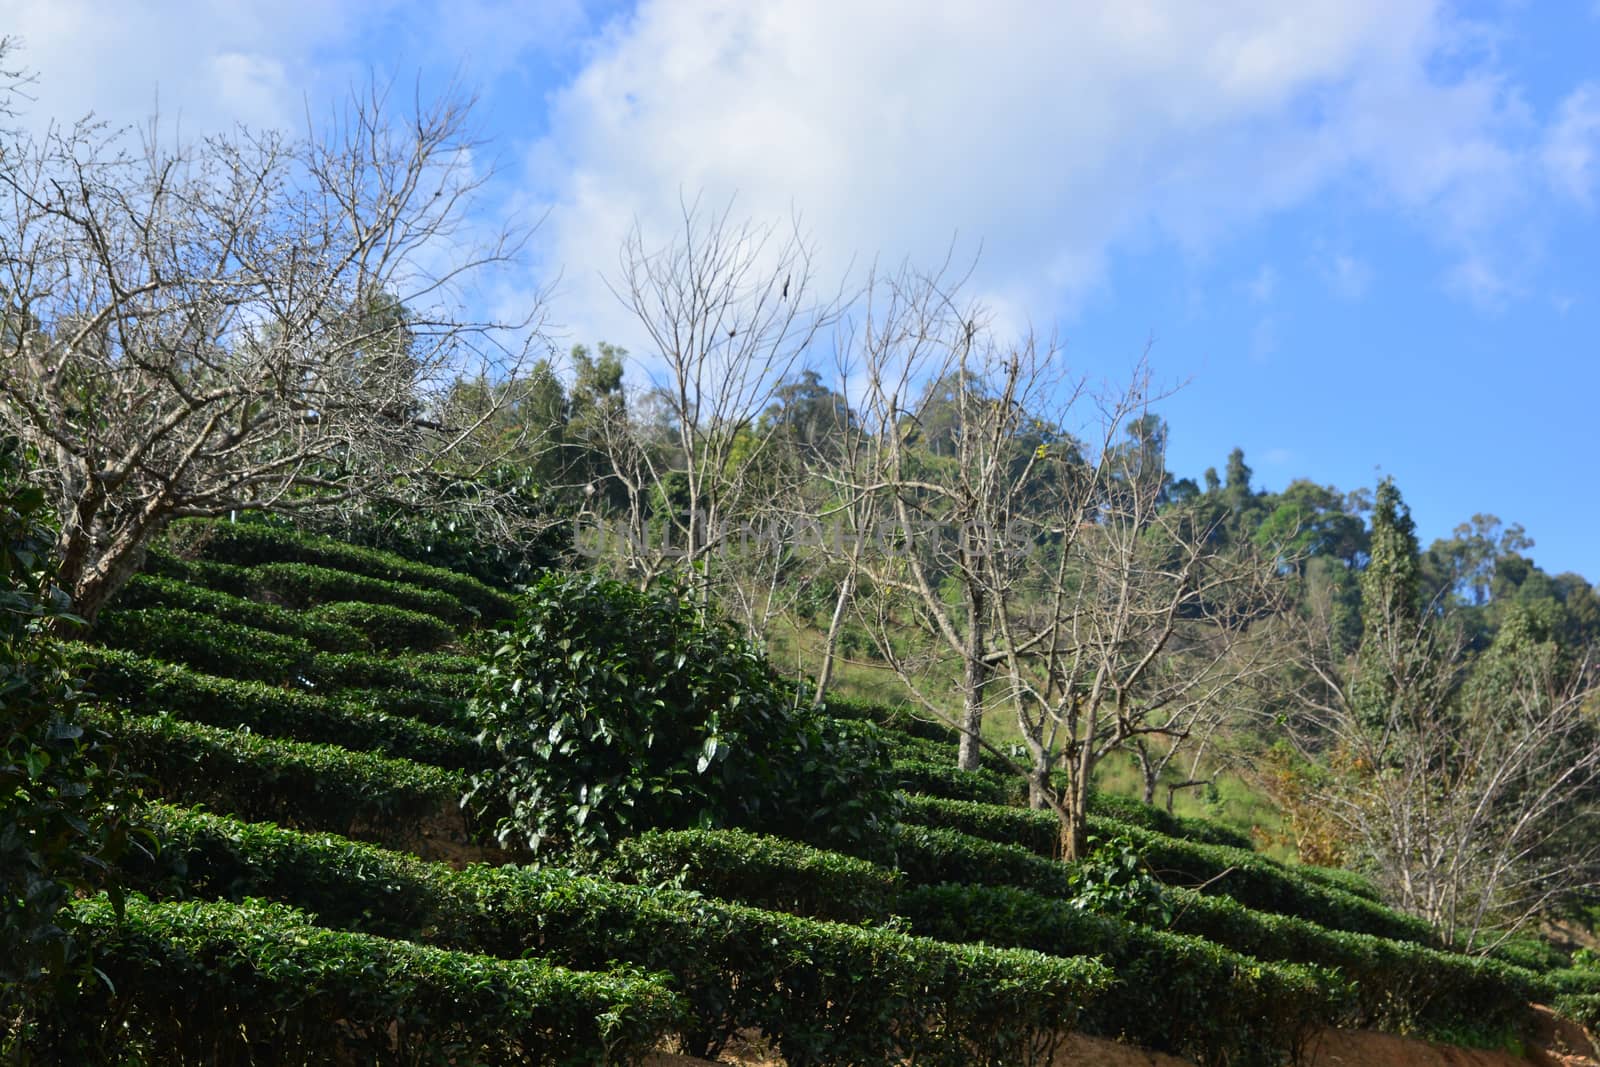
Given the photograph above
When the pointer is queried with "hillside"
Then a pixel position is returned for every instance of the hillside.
(314, 892)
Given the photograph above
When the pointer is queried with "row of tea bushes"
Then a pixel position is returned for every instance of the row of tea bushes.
(154, 591)
(294, 783)
(824, 993)
(219, 984)
(256, 543)
(768, 872)
(215, 646)
(1249, 877)
(1398, 986)
(136, 683)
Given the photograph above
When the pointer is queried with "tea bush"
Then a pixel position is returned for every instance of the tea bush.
(384, 625)
(250, 543)
(140, 684)
(298, 784)
(153, 591)
(769, 872)
(614, 711)
(221, 984)
(824, 993)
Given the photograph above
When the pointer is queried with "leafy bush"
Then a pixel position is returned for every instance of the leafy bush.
(769, 872)
(250, 543)
(825, 993)
(302, 585)
(1398, 985)
(146, 685)
(1252, 879)
(385, 625)
(318, 786)
(1170, 993)
(945, 780)
(153, 591)
(616, 711)
(60, 801)
(1137, 813)
(436, 675)
(206, 644)
(216, 983)
(204, 574)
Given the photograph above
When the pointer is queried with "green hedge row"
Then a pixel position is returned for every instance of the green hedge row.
(252, 543)
(823, 993)
(290, 782)
(150, 686)
(1399, 986)
(1171, 993)
(222, 577)
(1158, 820)
(768, 872)
(208, 644)
(1252, 879)
(920, 777)
(218, 983)
(325, 634)
(303, 585)
(384, 625)
(232, 650)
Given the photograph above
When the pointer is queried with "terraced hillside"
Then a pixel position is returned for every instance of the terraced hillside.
(314, 893)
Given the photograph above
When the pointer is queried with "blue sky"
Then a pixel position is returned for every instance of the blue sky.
(1363, 233)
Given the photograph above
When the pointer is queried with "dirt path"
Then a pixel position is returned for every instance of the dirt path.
(1557, 1044)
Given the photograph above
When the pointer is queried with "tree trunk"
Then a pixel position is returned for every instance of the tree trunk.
(972, 678)
(830, 645)
(1074, 830)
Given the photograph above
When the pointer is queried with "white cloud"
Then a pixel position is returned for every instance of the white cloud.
(1264, 340)
(1263, 285)
(1572, 147)
(1347, 276)
(1053, 134)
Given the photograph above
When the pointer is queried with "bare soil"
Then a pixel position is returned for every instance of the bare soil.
(1556, 1043)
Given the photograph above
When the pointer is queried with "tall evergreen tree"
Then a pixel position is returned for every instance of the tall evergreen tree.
(1392, 636)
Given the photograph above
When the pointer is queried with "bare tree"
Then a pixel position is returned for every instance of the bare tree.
(1471, 790)
(248, 321)
(730, 310)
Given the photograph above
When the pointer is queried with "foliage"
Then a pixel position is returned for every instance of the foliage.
(303, 584)
(154, 591)
(823, 993)
(976, 846)
(386, 626)
(250, 543)
(769, 872)
(615, 711)
(136, 683)
(205, 643)
(1113, 880)
(60, 806)
(1170, 993)
(235, 984)
(292, 782)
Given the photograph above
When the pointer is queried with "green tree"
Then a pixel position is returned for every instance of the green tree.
(60, 815)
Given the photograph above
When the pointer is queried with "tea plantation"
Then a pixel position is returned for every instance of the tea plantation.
(308, 716)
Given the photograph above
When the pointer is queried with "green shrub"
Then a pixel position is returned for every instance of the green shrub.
(1170, 993)
(206, 644)
(297, 784)
(216, 983)
(153, 591)
(945, 780)
(61, 800)
(769, 872)
(441, 676)
(615, 711)
(144, 685)
(205, 574)
(302, 585)
(251, 543)
(1398, 986)
(1251, 878)
(824, 993)
(1147, 817)
(386, 626)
